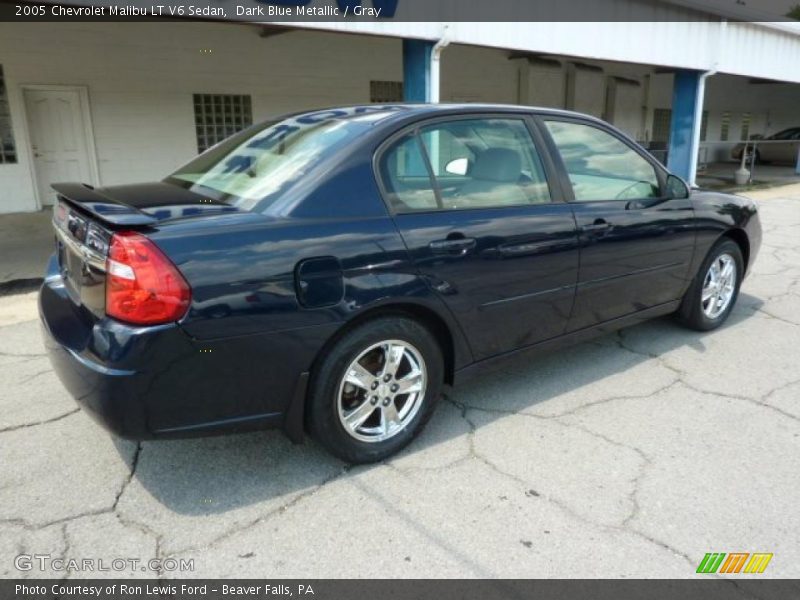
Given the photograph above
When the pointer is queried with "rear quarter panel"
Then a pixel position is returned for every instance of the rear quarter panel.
(236, 360)
(243, 276)
(253, 335)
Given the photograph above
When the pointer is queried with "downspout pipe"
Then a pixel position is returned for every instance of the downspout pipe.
(698, 120)
(436, 63)
(701, 96)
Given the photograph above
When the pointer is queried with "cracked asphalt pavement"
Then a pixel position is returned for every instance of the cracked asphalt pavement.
(629, 456)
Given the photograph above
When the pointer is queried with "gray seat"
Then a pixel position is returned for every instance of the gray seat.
(495, 180)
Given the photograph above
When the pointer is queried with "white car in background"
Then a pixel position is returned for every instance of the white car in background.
(781, 147)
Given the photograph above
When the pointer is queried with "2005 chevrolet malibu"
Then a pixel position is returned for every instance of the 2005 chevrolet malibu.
(332, 271)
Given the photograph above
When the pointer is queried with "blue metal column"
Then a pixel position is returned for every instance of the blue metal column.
(417, 70)
(797, 166)
(685, 126)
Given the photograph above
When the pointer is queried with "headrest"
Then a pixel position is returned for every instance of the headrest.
(498, 164)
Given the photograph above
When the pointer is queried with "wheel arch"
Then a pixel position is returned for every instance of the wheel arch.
(432, 320)
(742, 240)
(295, 421)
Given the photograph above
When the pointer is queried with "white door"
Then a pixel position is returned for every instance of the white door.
(58, 139)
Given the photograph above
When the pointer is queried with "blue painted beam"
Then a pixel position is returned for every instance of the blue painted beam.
(797, 166)
(685, 126)
(417, 70)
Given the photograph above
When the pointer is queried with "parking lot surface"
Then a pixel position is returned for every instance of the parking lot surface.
(629, 456)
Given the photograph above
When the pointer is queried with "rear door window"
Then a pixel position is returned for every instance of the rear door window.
(465, 164)
(406, 177)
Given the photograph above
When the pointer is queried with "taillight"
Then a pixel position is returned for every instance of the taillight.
(142, 286)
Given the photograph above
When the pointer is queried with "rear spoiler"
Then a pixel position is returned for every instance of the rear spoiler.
(102, 207)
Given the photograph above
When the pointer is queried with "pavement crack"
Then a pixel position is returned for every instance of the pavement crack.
(28, 526)
(552, 417)
(623, 344)
(646, 460)
(37, 423)
(760, 401)
(134, 463)
(34, 376)
(67, 546)
(148, 532)
(662, 544)
(624, 526)
(22, 354)
(770, 315)
(602, 401)
(268, 515)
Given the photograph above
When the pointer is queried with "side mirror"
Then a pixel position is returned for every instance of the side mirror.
(459, 166)
(677, 188)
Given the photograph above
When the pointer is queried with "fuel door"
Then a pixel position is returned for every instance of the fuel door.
(319, 282)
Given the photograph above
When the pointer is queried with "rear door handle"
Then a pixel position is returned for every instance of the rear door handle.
(456, 246)
(597, 226)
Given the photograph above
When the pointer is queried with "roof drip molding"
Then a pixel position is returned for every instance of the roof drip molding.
(582, 66)
(535, 59)
(627, 81)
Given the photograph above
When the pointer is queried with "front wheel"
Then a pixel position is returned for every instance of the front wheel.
(375, 390)
(711, 296)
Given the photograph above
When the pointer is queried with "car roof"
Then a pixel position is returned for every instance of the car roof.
(785, 131)
(386, 113)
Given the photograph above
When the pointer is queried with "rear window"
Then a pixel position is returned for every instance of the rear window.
(258, 165)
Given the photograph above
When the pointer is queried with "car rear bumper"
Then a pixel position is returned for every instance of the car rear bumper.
(103, 392)
(157, 382)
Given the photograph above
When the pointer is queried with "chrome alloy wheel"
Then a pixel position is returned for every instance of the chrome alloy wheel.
(382, 390)
(718, 286)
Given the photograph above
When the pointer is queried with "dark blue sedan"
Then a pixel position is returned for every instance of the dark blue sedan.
(332, 271)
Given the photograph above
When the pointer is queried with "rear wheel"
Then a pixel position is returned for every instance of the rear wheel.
(375, 390)
(710, 298)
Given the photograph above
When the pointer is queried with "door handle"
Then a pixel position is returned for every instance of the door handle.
(599, 225)
(455, 246)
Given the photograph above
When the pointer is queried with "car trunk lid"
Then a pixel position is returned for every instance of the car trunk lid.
(85, 218)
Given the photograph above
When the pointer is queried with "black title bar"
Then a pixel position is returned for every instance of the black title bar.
(435, 11)
(316, 589)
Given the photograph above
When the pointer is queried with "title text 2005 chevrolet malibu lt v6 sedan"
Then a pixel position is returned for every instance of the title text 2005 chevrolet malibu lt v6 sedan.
(330, 272)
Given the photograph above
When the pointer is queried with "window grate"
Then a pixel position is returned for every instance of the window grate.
(662, 119)
(745, 127)
(382, 92)
(8, 150)
(218, 116)
(704, 126)
(662, 123)
(725, 127)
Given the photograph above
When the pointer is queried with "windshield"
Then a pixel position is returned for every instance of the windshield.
(259, 164)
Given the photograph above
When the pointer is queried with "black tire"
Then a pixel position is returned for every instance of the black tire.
(691, 313)
(322, 414)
